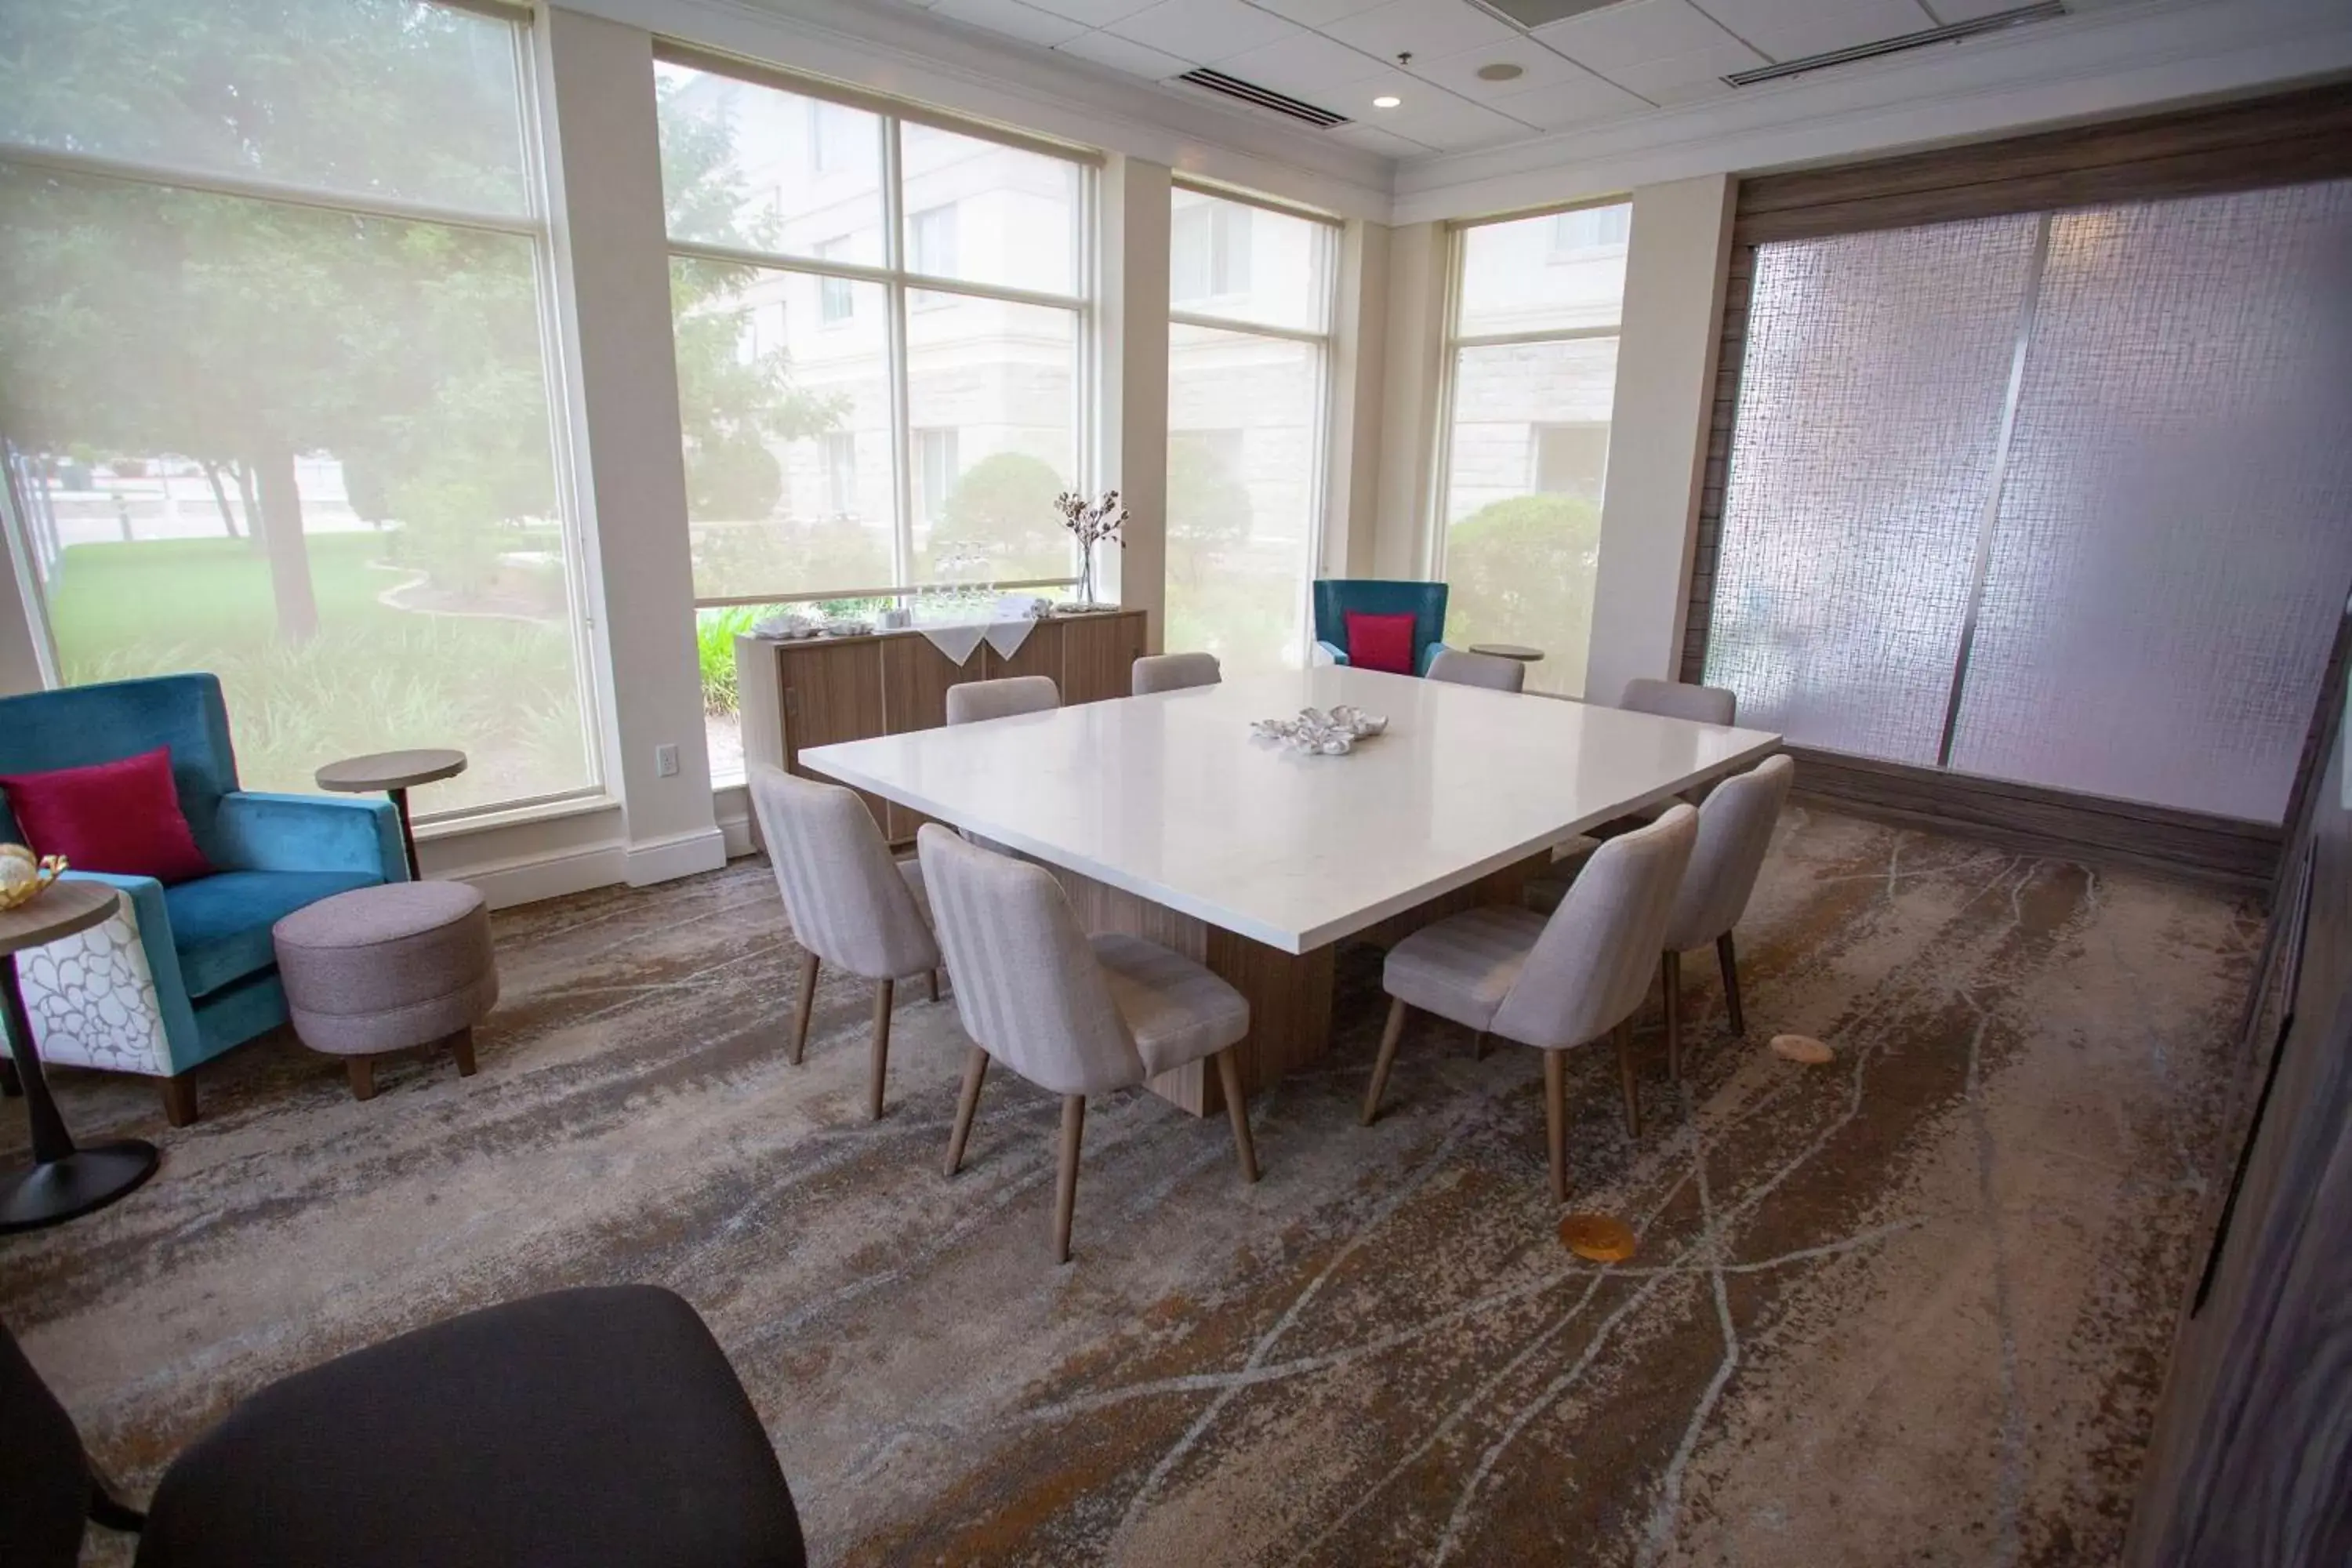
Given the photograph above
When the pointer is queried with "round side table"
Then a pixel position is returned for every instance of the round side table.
(64, 1181)
(1508, 650)
(396, 773)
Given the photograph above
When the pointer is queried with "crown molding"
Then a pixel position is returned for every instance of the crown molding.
(905, 52)
(2092, 65)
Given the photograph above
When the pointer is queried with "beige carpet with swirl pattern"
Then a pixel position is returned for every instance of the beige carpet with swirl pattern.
(1909, 1306)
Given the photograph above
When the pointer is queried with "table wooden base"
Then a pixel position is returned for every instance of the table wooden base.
(1289, 994)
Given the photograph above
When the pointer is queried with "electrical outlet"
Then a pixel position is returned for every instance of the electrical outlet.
(665, 761)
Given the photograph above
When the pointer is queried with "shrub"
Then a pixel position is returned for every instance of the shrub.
(1520, 570)
(1005, 504)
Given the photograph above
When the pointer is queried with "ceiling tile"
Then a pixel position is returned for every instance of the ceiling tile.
(1791, 29)
(1685, 78)
(1315, 13)
(1448, 123)
(1575, 100)
(1204, 29)
(1425, 27)
(1302, 65)
(1118, 53)
(1012, 17)
(1459, 72)
(1372, 139)
(1092, 13)
(1628, 35)
(1354, 99)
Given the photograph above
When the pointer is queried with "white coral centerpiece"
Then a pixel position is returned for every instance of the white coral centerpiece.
(1319, 733)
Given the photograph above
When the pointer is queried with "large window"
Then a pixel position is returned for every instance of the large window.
(273, 397)
(1533, 371)
(1248, 357)
(922, 402)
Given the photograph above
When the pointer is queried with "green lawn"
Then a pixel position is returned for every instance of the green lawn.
(373, 678)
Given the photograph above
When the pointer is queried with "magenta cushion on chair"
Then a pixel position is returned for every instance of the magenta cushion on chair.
(1381, 642)
(121, 816)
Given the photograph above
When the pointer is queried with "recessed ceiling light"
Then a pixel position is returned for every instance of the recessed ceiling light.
(1501, 71)
(1387, 101)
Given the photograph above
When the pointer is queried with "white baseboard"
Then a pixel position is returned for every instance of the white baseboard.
(680, 854)
(527, 879)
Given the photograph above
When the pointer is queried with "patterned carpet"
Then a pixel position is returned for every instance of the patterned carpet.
(1911, 1306)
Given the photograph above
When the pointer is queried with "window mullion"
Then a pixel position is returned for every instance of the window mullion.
(902, 441)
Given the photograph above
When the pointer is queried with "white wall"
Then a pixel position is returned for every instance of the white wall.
(1132, 371)
(1416, 334)
(1666, 355)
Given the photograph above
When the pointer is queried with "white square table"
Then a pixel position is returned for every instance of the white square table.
(1164, 817)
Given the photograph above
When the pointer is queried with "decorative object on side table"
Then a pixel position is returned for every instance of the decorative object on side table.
(1319, 733)
(64, 1181)
(396, 773)
(22, 877)
(1090, 522)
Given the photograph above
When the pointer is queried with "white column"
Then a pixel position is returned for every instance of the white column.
(1131, 369)
(1359, 385)
(604, 179)
(1674, 268)
(1412, 366)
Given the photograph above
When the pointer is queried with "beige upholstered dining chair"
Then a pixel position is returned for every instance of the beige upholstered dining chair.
(1175, 672)
(1076, 1015)
(851, 905)
(1735, 829)
(972, 702)
(1675, 700)
(1452, 664)
(1555, 982)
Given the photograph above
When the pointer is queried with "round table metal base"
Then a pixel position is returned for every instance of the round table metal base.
(86, 1180)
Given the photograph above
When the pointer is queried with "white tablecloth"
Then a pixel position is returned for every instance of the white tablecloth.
(960, 641)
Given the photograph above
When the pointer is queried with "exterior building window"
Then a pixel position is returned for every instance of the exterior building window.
(936, 470)
(891, 435)
(841, 472)
(1532, 366)
(1248, 356)
(1208, 251)
(260, 418)
(836, 301)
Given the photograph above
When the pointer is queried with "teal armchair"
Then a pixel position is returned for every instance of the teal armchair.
(1334, 596)
(182, 973)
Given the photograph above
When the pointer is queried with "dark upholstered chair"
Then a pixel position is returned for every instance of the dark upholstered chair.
(593, 1428)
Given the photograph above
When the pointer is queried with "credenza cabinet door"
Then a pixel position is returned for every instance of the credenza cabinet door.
(833, 694)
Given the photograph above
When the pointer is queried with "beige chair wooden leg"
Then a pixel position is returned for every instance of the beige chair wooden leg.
(1066, 1188)
(1229, 1078)
(1625, 1079)
(180, 1102)
(1386, 1059)
(975, 1068)
(362, 1070)
(1478, 1046)
(461, 1046)
(931, 978)
(800, 1009)
(1556, 1121)
(880, 1064)
(1672, 966)
(1730, 982)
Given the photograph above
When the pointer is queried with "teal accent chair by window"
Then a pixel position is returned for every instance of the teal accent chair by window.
(182, 973)
(1334, 596)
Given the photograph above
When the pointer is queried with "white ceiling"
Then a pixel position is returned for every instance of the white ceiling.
(1627, 59)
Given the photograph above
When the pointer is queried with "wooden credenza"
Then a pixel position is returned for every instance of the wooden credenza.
(824, 689)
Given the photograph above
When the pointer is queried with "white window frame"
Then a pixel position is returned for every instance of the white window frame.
(905, 289)
(1324, 342)
(534, 223)
(1441, 468)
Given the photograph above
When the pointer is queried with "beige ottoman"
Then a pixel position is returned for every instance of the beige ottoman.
(390, 968)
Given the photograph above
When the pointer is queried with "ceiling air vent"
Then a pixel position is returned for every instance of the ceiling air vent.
(1264, 97)
(2046, 11)
(1538, 13)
